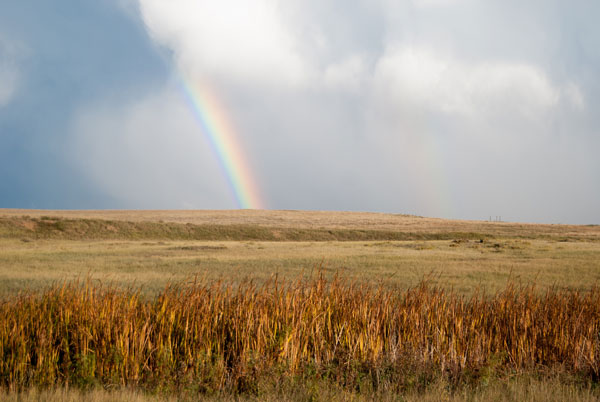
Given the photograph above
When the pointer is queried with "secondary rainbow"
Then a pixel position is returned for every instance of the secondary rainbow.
(215, 124)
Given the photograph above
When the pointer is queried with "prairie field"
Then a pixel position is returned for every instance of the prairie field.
(152, 248)
(291, 304)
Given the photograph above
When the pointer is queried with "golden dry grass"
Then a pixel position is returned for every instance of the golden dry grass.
(210, 337)
(43, 247)
(463, 266)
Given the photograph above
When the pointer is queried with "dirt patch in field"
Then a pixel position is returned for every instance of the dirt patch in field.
(28, 224)
(198, 248)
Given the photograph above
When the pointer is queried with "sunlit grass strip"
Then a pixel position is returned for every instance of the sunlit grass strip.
(222, 337)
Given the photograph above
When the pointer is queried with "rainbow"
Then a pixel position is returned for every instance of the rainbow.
(215, 124)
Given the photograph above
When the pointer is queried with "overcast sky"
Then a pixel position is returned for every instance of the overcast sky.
(446, 108)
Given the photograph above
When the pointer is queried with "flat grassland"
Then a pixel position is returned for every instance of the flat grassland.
(466, 335)
(152, 248)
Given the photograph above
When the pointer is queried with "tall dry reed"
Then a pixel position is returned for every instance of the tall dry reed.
(216, 336)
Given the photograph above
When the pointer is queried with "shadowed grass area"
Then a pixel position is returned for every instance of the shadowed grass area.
(516, 389)
(47, 227)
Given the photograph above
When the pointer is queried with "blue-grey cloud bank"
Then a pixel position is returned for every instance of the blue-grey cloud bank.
(449, 108)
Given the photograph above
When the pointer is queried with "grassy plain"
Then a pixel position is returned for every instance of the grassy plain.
(461, 265)
(150, 249)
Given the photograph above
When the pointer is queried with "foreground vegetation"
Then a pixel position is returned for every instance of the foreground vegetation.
(215, 338)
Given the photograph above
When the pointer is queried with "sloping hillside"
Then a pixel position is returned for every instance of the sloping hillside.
(268, 225)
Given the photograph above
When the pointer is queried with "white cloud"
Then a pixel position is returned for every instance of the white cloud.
(476, 136)
(575, 97)
(242, 39)
(437, 3)
(423, 81)
(348, 75)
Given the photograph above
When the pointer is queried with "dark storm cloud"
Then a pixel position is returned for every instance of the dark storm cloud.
(69, 53)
